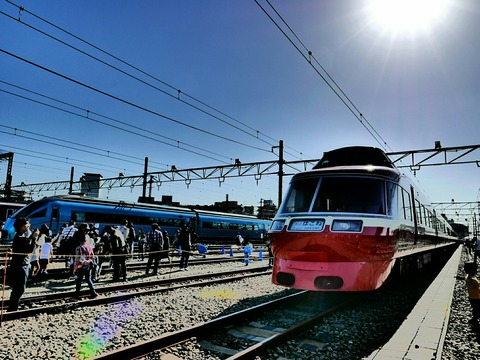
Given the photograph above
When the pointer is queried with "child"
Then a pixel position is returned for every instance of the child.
(247, 250)
(473, 289)
(46, 254)
(34, 264)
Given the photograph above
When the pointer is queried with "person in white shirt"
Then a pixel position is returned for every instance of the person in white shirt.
(46, 255)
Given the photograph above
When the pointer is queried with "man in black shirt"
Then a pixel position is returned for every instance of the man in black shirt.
(19, 268)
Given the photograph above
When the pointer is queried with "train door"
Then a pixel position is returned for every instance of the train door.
(435, 224)
(54, 218)
(415, 218)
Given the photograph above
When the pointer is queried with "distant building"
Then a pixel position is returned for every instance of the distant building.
(91, 184)
(268, 202)
(168, 200)
(249, 210)
(266, 210)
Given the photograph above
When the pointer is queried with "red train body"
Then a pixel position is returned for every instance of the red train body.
(346, 223)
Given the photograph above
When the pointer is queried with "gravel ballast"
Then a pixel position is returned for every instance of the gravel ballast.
(80, 334)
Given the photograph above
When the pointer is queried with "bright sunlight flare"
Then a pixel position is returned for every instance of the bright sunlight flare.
(407, 16)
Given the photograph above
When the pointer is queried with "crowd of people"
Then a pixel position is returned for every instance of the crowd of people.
(85, 248)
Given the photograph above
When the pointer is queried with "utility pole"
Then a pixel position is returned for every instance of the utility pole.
(145, 170)
(72, 174)
(8, 181)
(280, 171)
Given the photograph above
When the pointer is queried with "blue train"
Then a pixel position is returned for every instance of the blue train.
(8, 208)
(211, 227)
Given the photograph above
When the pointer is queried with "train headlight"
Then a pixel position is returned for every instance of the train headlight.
(347, 225)
(277, 225)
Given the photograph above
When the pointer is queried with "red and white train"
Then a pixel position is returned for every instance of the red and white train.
(346, 223)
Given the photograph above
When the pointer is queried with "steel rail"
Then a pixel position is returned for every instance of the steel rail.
(196, 280)
(145, 347)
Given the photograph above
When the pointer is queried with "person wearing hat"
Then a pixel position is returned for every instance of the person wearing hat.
(19, 268)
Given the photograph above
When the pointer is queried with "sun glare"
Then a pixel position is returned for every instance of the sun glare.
(406, 16)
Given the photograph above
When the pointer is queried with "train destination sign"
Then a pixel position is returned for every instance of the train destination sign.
(307, 225)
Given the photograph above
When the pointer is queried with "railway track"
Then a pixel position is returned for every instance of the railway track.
(118, 292)
(62, 272)
(299, 313)
(354, 331)
(295, 320)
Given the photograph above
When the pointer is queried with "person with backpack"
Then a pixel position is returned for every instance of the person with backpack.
(117, 247)
(67, 246)
(155, 244)
(83, 265)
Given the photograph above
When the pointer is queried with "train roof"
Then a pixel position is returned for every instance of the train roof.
(239, 216)
(95, 201)
(362, 170)
(354, 155)
(13, 204)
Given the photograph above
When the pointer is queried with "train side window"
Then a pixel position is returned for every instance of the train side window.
(407, 205)
(79, 216)
(404, 210)
(38, 214)
(392, 199)
(424, 214)
(418, 209)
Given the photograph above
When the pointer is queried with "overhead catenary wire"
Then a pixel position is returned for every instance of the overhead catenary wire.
(42, 138)
(38, 137)
(127, 102)
(330, 82)
(57, 158)
(177, 92)
(87, 115)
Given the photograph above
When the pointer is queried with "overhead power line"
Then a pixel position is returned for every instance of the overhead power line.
(60, 159)
(308, 56)
(87, 115)
(177, 92)
(127, 102)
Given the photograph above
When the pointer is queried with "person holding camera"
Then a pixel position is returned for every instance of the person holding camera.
(19, 268)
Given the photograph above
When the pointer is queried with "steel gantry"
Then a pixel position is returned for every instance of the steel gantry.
(257, 170)
(435, 157)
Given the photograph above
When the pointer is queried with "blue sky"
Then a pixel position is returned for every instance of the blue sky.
(414, 85)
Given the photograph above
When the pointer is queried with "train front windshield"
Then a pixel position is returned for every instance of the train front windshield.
(336, 194)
